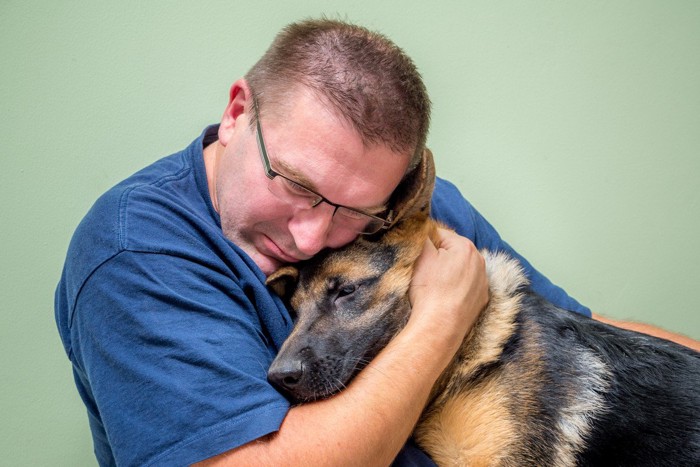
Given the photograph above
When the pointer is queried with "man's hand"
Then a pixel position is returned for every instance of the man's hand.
(449, 289)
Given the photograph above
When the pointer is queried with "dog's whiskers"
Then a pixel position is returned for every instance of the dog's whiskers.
(340, 385)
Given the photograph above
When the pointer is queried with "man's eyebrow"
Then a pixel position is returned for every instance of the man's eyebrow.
(300, 178)
(297, 176)
(374, 209)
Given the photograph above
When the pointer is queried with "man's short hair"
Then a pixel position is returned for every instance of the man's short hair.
(361, 74)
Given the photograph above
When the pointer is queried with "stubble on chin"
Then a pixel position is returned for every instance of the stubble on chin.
(266, 264)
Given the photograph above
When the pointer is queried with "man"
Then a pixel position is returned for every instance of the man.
(162, 306)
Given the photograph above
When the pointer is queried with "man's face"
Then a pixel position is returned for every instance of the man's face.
(306, 143)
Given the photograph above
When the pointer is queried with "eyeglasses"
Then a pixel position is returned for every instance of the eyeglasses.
(296, 194)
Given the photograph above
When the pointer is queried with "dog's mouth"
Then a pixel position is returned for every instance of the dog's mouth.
(308, 377)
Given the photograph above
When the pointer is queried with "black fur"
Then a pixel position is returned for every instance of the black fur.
(653, 396)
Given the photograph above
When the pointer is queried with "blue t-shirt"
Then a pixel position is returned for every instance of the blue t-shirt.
(169, 326)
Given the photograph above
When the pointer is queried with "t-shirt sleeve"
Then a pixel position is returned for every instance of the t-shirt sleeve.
(171, 360)
(451, 208)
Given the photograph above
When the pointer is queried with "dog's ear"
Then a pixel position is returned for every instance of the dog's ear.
(283, 281)
(415, 190)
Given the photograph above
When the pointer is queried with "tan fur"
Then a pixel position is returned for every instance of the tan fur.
(409, 237)
(485, 343)
(476, 425)
(460, 432)
(482, 424)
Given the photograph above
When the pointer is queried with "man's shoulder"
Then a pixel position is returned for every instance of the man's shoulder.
(151, 211)
(123, 212)
(449, 206)
(145, 208)
(446, 188)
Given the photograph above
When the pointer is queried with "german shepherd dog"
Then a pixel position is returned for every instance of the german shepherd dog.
(531, 384)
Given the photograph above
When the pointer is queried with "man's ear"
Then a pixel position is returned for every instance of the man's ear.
(283, 282)
(240, 102)
(415, 190)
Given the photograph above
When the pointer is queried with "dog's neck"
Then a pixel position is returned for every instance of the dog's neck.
(484, 344)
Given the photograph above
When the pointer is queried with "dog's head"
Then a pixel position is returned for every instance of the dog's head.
(350, 302)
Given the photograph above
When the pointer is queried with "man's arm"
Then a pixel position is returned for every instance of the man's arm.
(651, 330)
(369, 422)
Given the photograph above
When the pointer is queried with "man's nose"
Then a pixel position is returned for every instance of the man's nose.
(310, 228)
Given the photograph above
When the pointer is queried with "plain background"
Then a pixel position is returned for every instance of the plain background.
(574, 127)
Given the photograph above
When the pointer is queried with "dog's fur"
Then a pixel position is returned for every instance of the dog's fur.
(531, 385)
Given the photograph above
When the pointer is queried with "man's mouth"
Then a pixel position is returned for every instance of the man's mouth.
(278, 253)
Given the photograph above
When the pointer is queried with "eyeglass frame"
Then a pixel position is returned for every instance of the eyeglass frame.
(270, 173)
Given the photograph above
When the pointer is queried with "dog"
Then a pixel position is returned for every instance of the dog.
(531, 384)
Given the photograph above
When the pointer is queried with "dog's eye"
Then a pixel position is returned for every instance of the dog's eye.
(346, 290)
(336, 289)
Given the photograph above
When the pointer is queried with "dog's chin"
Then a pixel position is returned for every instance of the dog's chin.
(303, 396)
(323, 387)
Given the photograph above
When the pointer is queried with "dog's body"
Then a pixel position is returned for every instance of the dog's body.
(531, 384)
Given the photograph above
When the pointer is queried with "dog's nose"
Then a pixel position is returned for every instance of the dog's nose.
(286, 373)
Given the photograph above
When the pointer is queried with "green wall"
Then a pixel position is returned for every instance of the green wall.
(572, 126)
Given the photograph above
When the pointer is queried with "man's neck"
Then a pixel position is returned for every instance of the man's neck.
(211, 155)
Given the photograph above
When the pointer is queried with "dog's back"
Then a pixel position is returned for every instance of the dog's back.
(536, 385)
(651, 403)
